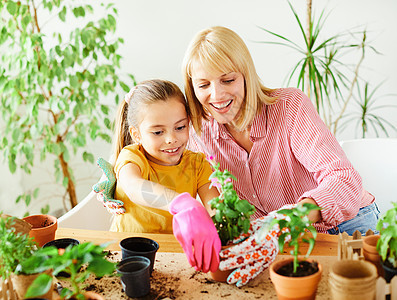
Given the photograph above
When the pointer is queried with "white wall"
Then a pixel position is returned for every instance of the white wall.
(157, 32)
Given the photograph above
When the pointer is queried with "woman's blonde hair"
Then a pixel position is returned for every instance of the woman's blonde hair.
(219, 49)
(130, 110)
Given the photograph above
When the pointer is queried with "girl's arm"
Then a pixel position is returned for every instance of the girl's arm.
(142, 191)
(206, 194)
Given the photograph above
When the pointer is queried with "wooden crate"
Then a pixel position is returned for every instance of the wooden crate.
(350, 247)
(7, 290)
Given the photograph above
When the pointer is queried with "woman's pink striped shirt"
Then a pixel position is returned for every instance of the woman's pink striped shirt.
(294, 156)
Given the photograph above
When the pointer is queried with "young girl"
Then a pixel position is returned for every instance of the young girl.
(152, 165)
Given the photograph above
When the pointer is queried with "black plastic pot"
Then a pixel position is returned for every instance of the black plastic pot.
(141, 246)
(389, 271)
(135, 276)
(62, 244)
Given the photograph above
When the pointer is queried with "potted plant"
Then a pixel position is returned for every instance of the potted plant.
(231, 214)
(43, 228)
(62, 58)
(387, 243)
(79, 261)
(295, 277)
(328, 78)
(16, 248)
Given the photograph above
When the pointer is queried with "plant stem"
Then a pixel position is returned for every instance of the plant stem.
(65, 170)
(296, 257)
(308, 31)
(352, 84)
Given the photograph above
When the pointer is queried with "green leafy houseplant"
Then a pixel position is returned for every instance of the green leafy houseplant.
(14, 247)
(51, 83)
(326, 72)
(232, 214)
(295, 228)
(79, 261)
(387, 243)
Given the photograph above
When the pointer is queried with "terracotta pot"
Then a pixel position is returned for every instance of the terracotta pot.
(370, 253)
(352, 280)
(294, 287)
(43, 228)
(21, 284)
(221, 276)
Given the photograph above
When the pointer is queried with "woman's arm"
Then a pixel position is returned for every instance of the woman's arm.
(142, 191)
(339, 187)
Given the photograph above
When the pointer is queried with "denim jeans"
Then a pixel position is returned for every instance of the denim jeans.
(367, 218)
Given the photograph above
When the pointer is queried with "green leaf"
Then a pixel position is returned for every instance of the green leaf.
(12, 7)
(62, 14)
(40, 286)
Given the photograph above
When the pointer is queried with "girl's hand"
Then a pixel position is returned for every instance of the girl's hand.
(105, 189)
(195, 231)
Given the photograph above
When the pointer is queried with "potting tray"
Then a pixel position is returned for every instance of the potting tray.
(173, 278)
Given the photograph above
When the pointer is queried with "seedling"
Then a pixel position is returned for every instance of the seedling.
(232, 214)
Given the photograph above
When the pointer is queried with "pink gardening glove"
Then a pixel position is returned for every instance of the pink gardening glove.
(254, 251)
(196, 232)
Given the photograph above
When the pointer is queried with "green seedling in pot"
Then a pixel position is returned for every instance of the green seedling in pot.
(387, 243)
(79, 261)
(295, 228)
(14, 247)
(232, 214)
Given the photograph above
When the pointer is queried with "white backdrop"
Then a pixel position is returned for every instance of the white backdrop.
(157, 32)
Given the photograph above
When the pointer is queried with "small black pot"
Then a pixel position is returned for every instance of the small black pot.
(141, 246)
(62, 244)
(135, 276)
(390, 272)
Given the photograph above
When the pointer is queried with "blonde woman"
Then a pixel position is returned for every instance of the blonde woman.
(272, 140)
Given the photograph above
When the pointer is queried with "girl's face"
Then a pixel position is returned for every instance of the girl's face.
(163, 131)
(220, 94)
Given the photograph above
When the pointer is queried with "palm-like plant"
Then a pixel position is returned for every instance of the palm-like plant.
(321, 71)
(366, 117)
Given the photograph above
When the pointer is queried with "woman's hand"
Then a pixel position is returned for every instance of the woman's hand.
(315, 215)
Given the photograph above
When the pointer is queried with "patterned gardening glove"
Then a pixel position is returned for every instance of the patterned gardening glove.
(105, 189)
(253, 251)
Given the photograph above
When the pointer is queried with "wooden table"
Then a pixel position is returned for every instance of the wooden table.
(174, 278)
(326, 245)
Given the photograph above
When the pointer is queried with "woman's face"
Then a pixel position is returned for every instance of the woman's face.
(220, 94)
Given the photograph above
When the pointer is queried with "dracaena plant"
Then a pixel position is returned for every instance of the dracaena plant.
(387, 243)
(324, 73)
(296, 228)
(232, 214)
(53, 84)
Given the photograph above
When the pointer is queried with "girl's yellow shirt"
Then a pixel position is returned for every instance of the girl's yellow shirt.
(189, 175)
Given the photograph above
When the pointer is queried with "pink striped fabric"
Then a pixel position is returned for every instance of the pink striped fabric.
(293, 156)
